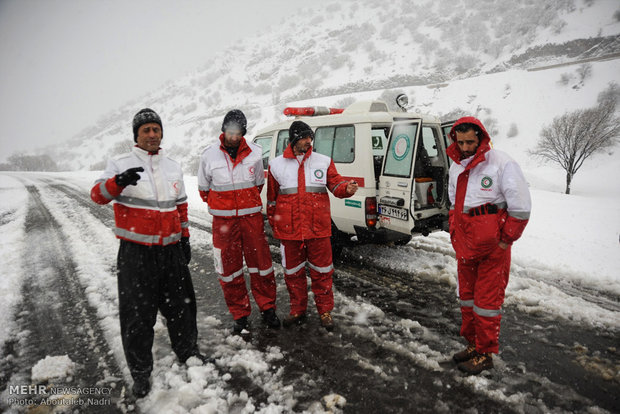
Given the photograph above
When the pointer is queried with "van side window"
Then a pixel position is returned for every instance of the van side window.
(265, 144)
(282, 142)
(336, 142)
(324, 140)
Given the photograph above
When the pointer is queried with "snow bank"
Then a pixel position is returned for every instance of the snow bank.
(572, 237)
(52, 367)
(13, 209)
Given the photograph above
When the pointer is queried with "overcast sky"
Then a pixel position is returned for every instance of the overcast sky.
(65, 63)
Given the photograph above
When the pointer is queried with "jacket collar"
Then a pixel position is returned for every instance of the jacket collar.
(145, 154)
(243, 151)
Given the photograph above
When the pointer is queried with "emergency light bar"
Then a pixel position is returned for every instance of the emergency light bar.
(311, 111)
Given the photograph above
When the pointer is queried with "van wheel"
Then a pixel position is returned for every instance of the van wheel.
(403, 241)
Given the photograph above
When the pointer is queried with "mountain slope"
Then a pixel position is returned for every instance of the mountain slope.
(336, 51)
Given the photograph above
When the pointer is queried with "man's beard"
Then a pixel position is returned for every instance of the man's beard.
(303, 150)
(233, 144)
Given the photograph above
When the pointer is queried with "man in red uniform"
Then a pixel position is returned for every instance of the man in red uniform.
(490, 208)
(299, 214)
(150, 213)
(230, 179)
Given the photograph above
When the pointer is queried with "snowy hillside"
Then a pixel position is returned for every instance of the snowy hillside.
(339, 50)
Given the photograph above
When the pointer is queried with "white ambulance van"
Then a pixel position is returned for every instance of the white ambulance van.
(398, 159)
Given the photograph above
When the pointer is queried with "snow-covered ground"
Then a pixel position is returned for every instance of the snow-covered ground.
(569, 237)
(558, 270)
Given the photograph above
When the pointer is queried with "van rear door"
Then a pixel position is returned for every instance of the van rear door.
(396, 180)
(445, 129)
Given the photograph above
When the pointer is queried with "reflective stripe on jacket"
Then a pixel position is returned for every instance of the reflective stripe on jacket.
(154, 211)
(487, 177)
(231, 188)
(297, 200)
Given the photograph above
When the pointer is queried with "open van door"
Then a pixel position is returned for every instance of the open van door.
(445, 129)
(396, 183)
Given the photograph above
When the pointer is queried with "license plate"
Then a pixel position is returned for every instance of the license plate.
(399, 213)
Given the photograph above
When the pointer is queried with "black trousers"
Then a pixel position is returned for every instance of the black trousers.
(152, 278)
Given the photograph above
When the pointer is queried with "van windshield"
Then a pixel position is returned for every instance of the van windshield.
(282, 142)
(265, 144)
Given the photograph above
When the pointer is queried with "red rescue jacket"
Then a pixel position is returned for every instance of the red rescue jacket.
(297, 201)
(489, 177)
(152, 212)
(231, 188)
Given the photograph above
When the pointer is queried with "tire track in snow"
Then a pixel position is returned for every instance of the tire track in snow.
(328, 374)
(56, 319)
(536, 348)
(576, 358)
(239, 370)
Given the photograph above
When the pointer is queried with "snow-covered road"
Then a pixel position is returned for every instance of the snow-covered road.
(396, 312)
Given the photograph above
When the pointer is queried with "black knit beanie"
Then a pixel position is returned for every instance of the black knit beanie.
(299, 130)
(236, 118)
(145, 116)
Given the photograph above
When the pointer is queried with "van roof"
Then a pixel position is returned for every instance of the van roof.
(356, 113)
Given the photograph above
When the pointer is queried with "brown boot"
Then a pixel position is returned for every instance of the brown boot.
(465, 355)
(477, 364)
(294, 319)
(327, 322)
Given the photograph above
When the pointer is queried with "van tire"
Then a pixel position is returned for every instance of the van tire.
(403, 241)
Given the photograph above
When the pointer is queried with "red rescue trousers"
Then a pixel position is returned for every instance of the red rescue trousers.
(317, 253)
(233, 239)
(482, 285)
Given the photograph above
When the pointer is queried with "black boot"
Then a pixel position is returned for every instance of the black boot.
(141, 387)
(271, 319)
(240, 325)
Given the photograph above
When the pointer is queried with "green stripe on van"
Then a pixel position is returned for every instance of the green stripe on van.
(353, 203)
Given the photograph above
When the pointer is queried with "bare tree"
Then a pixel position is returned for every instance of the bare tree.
(575, 136)
(584, 72)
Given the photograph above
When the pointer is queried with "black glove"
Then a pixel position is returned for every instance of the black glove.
(129, 177)
(186, 248)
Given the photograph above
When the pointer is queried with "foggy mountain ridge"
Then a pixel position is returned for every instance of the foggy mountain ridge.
(345, 48)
